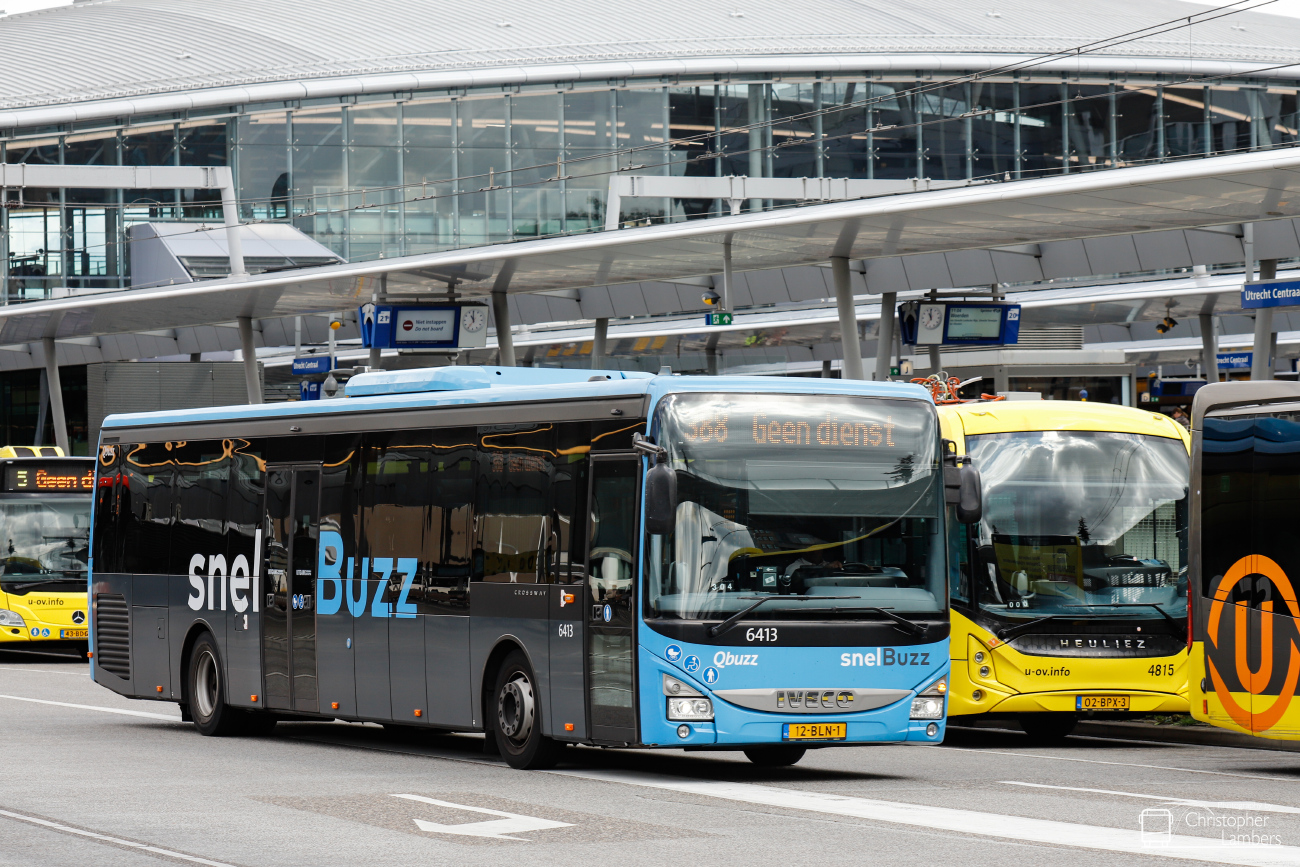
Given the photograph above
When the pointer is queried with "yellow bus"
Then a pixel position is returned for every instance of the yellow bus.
(1069, 597)
(44, 548)
(1244, 669)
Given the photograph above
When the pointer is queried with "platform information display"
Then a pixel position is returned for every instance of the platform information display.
(959, 323)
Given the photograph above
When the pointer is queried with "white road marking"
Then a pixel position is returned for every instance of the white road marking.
(85, 673)
(997, 825)
(1253, 806)
(497, 829)
(1120, 764)
(144, 713)
(104, 838)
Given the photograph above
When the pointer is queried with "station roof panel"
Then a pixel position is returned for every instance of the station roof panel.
(194, 46)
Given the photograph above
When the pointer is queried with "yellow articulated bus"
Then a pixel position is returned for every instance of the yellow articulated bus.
(44, 547)
(1069, 597)
(1244, 668)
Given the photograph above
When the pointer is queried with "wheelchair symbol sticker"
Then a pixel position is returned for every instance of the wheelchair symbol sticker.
(692, 663)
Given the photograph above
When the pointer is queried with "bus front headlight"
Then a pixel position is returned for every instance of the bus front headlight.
(696, 709)
(11, 618)
(929, 704)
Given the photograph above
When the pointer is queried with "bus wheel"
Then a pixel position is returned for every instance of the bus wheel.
(775, 757)
(1048, 727)
(207, 694)
(516, 718)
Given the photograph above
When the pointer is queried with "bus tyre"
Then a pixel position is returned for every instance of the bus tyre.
(516, 718)
(775, 757)
(206, 692)
(1047, 728)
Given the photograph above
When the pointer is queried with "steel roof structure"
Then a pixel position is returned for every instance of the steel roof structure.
(203, 56)
(1000, 219)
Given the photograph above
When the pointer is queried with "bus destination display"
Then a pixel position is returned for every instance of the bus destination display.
(48, 477)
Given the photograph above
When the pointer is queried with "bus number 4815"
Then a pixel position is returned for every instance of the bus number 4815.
(1161, 669)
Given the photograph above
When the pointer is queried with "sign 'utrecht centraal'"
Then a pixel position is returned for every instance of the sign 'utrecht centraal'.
(1270, 293)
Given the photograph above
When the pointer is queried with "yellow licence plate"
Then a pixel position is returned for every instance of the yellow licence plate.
(72, 633)
(1101, 702)
(814, 731)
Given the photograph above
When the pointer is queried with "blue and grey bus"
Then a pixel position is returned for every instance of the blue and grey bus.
(550, 557)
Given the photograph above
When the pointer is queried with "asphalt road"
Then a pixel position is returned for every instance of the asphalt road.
(90, 778)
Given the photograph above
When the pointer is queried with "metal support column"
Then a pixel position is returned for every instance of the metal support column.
(230, 213)
(251, 380)
(1209, 348)
(56, 394)
(885, 339)
(848, 319)
(598, 344)
(1261, 364)
(505, 340)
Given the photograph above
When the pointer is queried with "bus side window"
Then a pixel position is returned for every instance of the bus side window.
(513, 490)
(108, 512)
(147, 545)
(244, 500)
(202, 471)
(571, 465)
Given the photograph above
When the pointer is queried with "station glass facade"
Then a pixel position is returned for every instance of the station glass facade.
(433, 171)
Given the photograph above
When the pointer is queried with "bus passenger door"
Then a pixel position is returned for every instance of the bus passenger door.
(611, 597)
(289, 616)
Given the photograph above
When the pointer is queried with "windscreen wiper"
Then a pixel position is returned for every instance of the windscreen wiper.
(901, 622)
(731, 621)
(41, 583)
(1011, 632)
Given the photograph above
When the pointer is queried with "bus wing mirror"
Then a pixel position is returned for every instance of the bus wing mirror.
(660, 499)
(970, 502)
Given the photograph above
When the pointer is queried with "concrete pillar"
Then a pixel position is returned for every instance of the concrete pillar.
(1261, 364)
(848, 319)
(711, 354)
(56, 395)
(251, 381)
(936, 363)
(827, 373)
(1209, 348)
(885, 341)
(505, 340)
(598, 338)
(1001, 381)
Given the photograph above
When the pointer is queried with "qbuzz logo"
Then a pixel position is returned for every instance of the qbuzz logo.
(724, 658)
(1257, 717)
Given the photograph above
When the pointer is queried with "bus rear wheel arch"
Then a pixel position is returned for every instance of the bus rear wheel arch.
(514, 716)
(205, 695)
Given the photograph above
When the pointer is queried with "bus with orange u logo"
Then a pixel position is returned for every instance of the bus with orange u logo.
(1244, 558)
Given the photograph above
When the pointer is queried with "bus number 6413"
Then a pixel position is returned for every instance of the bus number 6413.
(761, 633)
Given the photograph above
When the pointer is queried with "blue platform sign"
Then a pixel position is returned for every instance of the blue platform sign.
(310, 365)
(1234, 360)
(423, 326)
(1270, 293)
(309, 390)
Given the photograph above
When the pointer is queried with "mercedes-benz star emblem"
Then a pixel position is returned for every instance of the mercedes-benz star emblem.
(78, 617)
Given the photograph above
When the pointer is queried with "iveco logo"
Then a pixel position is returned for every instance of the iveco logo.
(811, 698)
(78, 617)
